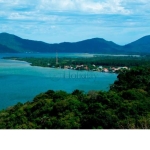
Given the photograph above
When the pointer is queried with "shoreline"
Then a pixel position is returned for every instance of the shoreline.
(101, 69)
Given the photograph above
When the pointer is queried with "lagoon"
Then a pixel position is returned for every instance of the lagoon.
(20, 82)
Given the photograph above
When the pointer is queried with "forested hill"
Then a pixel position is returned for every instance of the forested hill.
(95, 45)
(23, 45)
(141, 45)
(5, 49)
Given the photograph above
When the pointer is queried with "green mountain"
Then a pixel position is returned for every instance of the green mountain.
(5, 49)
(95, 45)
(23, 45)
(141, 45)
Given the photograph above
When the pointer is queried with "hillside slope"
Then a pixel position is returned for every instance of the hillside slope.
(5, 49)
(141, 45)
(95, 45)
(23, 45)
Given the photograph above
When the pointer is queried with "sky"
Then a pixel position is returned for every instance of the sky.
(56, 21)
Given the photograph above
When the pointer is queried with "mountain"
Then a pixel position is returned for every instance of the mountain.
(22, 45)
(95, 45)
(5, 49)
(141, 45)
(13, 43)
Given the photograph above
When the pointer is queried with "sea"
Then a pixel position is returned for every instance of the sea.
(21, 82)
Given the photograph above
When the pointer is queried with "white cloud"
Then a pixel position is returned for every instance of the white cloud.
(84, 6)
(60, 16)
(55, 11)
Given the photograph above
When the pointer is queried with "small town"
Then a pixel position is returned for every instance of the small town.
(95, 68)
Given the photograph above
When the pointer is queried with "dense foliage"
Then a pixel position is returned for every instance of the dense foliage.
(125, 106)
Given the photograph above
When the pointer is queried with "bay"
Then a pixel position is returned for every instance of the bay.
(20, 82)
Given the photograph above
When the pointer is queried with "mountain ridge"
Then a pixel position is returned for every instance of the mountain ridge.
(10, 42)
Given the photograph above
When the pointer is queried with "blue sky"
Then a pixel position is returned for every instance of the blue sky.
(55, 21)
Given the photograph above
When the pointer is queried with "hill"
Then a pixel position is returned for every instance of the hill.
(23, 45)
(5, 49)
(95, 45)
(141, 45)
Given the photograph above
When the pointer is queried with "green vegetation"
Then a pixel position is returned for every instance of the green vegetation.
(125, 106)
(97, 63)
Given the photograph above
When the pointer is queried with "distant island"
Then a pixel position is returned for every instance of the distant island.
(13, 44)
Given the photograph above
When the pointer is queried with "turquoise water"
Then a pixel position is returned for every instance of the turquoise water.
(21, 82)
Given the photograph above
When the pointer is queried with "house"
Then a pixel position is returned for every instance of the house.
(105, 70)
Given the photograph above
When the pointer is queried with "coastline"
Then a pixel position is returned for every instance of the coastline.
(108, 69)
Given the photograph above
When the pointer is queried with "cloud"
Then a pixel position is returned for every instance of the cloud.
(84, 6)
(20, 9)
(76, 11)
(57, 17)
